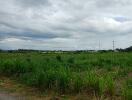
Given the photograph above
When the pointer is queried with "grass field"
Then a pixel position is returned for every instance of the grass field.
(95, 74)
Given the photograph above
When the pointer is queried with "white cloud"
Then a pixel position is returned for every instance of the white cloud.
(65, 24)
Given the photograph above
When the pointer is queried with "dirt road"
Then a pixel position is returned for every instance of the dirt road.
(7, 96)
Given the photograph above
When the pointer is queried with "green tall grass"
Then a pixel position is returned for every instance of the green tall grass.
(69, 73)
(127, 90)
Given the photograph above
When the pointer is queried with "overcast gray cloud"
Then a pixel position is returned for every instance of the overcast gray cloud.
(65, 24)
(33, 3)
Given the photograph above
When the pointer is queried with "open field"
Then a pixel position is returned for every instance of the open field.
(101, 75)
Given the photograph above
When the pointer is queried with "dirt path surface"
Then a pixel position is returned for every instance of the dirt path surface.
(6, 96)
(6, 91)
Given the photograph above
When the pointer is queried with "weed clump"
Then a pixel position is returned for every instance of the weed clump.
(58, 57)
(71, 60)
(127, 90)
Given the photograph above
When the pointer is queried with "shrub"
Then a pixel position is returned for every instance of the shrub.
(58, 57)
(102, 86)
(127, 90)
(7, 67)
(71, 60)
(91, 82)
(77, 83)
(63, 80)
(110, 85)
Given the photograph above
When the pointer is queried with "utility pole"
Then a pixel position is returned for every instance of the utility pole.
(99, 46)
(113, 45)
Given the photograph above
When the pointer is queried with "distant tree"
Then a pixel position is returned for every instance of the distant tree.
(129, 48)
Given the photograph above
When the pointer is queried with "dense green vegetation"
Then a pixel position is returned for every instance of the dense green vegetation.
(100, 74)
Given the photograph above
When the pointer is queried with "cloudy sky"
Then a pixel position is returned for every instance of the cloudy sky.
(65, 24)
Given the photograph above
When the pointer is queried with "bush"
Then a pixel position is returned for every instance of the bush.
(77, 83)
(7, 67)
(91, 81)
(110, 85)
(71, 60)
(58, 57)
(127, 90)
